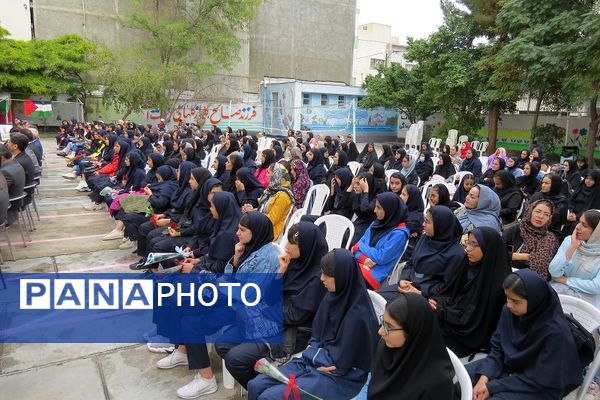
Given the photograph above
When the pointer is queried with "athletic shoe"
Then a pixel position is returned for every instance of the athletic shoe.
(94, 207)
(128, 244)
(198, 387)
(136, 266)
(69, 175)
(172, 360)
(160, 344)
(114, 234)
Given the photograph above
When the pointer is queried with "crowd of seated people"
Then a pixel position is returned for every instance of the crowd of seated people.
(453, 232)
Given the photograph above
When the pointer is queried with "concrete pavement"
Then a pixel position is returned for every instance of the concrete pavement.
(68, 239)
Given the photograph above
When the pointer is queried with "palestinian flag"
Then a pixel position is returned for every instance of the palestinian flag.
(37, 109)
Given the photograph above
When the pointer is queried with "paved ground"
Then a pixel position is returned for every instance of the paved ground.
(68, 239)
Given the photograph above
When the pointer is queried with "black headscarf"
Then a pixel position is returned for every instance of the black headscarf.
(443, 195)
(262, 233)
(395, 212)
(248, 179)
(419, 370)
(190, 155)
(122, 153)
(169, 183)
(415, 207)
(345, 324)
(228, 210)
(379, 175)
(461, 194)
(441, 253)
(345, 176)
(585, 198)
(539, 345)
(248, 157)
(470, 304)
(157, 161)
(529, 183)
(402, 178)
(221, 174)
(302, 285)
(236, 163)
(201, 175)
(146, 147)
(180, 196)
(447, 168)
(136, 176)
(342, 159)
(168, 145)
(269, 158)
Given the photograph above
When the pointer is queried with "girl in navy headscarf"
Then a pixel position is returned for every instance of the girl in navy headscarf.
(472, 164)
(384, 241)
(533, 355)
(436, 257)
(248, 157)
(411, 361)
(226, 213)
(336, 363)
(469, 305)
(248, 188)
(219, 166)
(302, 292)
(154, 161)
(316, 167)
(341, 195)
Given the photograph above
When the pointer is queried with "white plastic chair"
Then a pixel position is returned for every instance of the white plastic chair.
(354, 167)
(461, 374)
(476, 144)
(458, 177)
(589, 317)
(378, 303)
(462, 139)
(394, 276)
(336, 226)
(426, 188)
(315, 199)
(389, 173)
(484, 160)
(483, 147)
(294, 219)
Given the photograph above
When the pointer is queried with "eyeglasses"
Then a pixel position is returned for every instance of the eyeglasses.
(386, 327)
(470, 245)
(542, 213)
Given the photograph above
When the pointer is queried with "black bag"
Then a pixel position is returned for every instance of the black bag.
(584, 341)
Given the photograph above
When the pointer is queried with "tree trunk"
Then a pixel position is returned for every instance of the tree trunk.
(593, 127)
(493, 117)
(129, 110)
(538, 105)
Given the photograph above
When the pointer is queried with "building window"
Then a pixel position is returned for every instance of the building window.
(341, 101)
(306, 99)
(324, 100)
(376, 63)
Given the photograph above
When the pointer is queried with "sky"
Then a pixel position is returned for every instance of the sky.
(416, 18)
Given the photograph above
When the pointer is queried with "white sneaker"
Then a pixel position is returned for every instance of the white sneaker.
(82, 187)
(198, 387)
(94, 207)
(114, 234)
(172, 360)
(160, 344)
(69, 175)
(127, 244)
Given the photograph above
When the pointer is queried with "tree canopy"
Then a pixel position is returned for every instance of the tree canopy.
(185, 42)
(48, 66)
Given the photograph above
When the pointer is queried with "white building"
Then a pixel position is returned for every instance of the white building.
(374, 45)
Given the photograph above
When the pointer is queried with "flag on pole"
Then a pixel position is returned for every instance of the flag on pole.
(6, 115)
(37, 109)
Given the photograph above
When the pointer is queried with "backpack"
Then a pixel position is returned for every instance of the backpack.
(584, 341)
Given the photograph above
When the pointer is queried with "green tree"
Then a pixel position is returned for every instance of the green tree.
(400, 89)
(448, 62)
(185, 41)
(49, 67)
(556, 44)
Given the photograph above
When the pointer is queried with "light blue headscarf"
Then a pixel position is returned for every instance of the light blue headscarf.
(487, 212)
(412, 161)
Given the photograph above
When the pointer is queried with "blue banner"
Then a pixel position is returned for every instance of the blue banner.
(122, 308)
